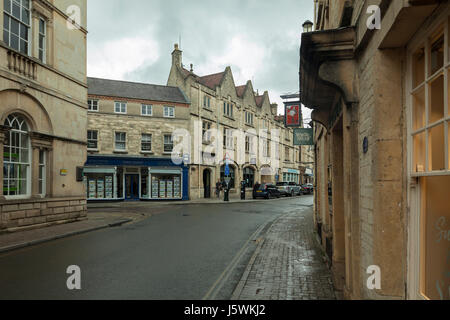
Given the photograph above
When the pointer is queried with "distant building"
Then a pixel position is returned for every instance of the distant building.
(42, 114)
(130, 143)
(218, 103)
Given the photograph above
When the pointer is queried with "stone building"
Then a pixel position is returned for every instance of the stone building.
(42, 112)
(258, 147)
(131, 129)
(380, 97)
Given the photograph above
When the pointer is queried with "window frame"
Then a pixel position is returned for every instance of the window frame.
(20, 21)
(44, 41)
(91, 139)
(121, 105)
(91, 105)
(147, 142)
(167, 113)
(168, 143)
(42, 181)
(120, 141)
(146, 107)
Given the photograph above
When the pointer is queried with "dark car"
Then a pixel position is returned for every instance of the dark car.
(265, 190)
(308, 188)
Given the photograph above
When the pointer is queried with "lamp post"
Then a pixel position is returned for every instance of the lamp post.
(307, 26)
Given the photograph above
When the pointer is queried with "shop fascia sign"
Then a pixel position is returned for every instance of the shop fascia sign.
(303, 137)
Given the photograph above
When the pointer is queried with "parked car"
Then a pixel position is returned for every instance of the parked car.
(265, 190)
(296, 189)
(288, 189)
(308, 188)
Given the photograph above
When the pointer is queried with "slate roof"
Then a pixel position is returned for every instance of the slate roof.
(240, 90)
(134, 90)
(259, 100)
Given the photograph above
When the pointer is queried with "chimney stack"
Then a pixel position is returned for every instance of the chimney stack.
(177, 56)
(192, 68)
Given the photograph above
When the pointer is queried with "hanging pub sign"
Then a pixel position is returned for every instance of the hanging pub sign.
(292, 114)
(303, 137)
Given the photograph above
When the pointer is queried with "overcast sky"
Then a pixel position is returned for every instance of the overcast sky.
(259, 39)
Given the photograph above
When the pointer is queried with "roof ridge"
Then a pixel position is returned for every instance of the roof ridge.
(133, 82)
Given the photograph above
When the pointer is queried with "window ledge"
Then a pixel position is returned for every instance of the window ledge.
(121, 151)
(147, 152)
(208, 109)
(93, 150)
(231, 118)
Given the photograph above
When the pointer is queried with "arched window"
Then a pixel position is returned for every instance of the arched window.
(249, 177)
(222, 175)
(16, 158)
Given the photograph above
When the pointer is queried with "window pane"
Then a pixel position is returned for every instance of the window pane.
(7, 5)
(5, 22)
(23, 46)
(436, 100)
(14, 27)
(419, 152)
(25, 16)
(6, 37)
(436, 152)
(418, 67)
(437, 54)
(15, 10)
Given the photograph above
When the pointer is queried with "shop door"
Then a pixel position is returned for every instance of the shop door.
(132, 187)
(207, 183)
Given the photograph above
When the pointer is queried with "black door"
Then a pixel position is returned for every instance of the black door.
(207, 183)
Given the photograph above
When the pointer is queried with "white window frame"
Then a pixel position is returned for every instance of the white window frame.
(44, 41)
(91, 105)
(148, 141)
(122, 106)
(206, 131)
(168, 143)
(20, 20)
(207, 102)
(120, 141)
(91, 139)
(169, 112)
(414, 195)
(146, 107)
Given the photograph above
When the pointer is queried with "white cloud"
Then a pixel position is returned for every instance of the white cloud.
(115, 58)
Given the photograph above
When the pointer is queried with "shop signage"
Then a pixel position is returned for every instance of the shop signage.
(292, 114)
(63, 172)
(303, 137)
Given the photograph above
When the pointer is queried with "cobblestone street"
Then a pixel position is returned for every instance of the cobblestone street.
(288, 264)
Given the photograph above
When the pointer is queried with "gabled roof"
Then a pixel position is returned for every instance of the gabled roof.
(212, 81)
(135, 90)
(259, 100)
(240, 90)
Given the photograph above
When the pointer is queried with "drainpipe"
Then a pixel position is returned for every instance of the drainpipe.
(201, 144)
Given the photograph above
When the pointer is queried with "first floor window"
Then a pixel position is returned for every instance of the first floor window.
(206, 134)
(227, 138)
(146, 143)
(16, 24)
(121, 141)
(16, 158)
(42, 172)
(92, 139)
(169, 112)
(168, 143)
(42, 39)
(207, 102)
(120, 107)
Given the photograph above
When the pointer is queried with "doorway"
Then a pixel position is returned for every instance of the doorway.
(132, 187)
(207, 183)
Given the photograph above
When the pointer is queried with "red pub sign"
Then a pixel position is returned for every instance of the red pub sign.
(292, 114)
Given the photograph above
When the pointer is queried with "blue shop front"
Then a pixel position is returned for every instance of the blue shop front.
(116, 178)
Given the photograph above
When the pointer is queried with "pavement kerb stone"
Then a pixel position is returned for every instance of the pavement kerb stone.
(61, 236)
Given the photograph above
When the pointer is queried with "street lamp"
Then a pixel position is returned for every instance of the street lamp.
(307, 26)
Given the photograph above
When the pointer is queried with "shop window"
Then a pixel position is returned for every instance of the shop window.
(436, 152)
(436, 53)
(435, 238)
(436, 112)
(144, 183)
(16, 158)
(419, 109)
(100, 186)
(166, 186)
(168, 143)
(249, 177)
(419, 152)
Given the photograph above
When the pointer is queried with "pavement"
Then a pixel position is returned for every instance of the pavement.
(287, 264)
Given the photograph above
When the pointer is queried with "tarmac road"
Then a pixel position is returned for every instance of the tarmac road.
(184, 252)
